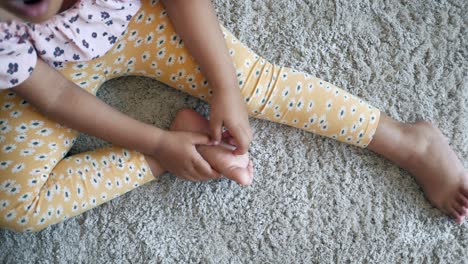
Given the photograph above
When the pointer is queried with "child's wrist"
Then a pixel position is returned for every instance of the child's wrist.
(150, 139)
(227, 81)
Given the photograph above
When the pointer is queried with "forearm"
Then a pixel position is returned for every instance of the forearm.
(84, 112)
(64, 102)
(196, 23)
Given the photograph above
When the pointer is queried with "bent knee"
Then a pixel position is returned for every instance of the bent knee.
(25, 215)
(22, 223)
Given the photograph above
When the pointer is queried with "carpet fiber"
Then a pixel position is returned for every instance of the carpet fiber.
(313, 199)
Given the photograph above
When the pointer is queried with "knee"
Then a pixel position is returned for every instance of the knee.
(20, 212)
(21, 223)
(28, 228)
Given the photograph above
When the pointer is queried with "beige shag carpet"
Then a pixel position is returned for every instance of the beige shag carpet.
(313, 200)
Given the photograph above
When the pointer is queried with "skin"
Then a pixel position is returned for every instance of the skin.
(419, 148)
(422, 149)
(64, 102)
(175, 149)
(238, 168)
(55, 6)
(195, 18)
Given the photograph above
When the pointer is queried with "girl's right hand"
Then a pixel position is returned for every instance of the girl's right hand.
(176, 152)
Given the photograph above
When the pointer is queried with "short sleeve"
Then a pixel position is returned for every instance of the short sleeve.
(84, 32)
(17, 55)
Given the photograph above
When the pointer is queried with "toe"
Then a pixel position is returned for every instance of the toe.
(239, 175)
(456, 216)
(464, 190)
(250, 170)
(459, 209)
(462, 200)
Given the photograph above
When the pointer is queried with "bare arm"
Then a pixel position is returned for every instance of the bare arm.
(196, 22)
(64, 102)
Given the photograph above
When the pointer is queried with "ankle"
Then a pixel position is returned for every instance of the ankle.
(418, 137)
(404, 144)
(391, 140)
(414, 145)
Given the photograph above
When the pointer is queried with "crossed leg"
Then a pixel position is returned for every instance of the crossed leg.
(38, 187)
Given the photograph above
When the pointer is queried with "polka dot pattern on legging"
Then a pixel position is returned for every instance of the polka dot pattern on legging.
(38, 187)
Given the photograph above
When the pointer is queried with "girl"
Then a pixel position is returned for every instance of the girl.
(50, 62)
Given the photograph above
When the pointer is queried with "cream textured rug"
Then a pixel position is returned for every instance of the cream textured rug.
(313, 199)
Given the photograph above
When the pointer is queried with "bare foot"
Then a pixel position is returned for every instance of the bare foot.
(421, 149)
(238, 168)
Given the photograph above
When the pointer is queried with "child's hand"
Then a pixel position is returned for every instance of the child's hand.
(228, 110)
(176, 151)
(191, 20)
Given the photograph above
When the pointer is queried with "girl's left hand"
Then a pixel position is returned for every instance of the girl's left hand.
(229, 110)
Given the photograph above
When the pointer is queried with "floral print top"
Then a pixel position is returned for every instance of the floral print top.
(84, 32)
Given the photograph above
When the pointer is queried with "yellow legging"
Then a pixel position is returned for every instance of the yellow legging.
(39, 187)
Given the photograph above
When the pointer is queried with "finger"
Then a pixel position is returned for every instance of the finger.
(189, 173)
(199, 177)
(249, 134)
(231, 141)
(201, 139)
(203, 168)
(215, 129)
(200, 173)
(185, 175)
(226, 134)
(241, 140)
(227, 138)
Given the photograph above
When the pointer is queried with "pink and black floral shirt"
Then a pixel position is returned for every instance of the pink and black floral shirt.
(84, 32)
